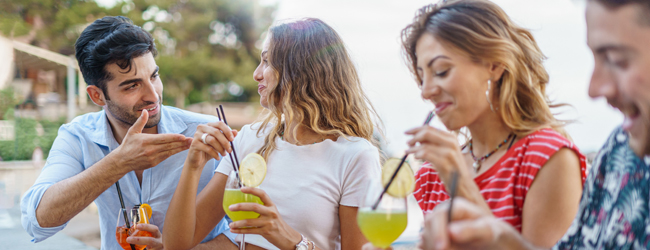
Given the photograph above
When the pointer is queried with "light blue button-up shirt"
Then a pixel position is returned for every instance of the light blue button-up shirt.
(86, 140)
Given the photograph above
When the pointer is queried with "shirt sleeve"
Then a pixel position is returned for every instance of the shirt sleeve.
(363, 168)
(224, 166)
(64, 161)
(221, 228)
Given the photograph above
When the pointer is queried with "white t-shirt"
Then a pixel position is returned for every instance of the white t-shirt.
(308, 183)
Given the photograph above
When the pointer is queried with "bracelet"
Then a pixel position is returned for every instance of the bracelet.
(313, 246)
(303, 244)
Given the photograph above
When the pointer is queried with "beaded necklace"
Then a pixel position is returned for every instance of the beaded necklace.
(477, 161)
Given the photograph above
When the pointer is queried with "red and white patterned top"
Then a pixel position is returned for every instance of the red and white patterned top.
(504, 186)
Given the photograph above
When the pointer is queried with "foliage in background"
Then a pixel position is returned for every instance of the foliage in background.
(207, 47)
(7, 103)
(28, 138)
(207, 50)
(53, 24)
(29, 133)
(202, 43)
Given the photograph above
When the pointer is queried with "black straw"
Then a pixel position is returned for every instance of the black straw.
(235, 162)
(452, 194)
(126, 218)
(401, 163)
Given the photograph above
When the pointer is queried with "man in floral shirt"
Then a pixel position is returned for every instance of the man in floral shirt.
(614, 211)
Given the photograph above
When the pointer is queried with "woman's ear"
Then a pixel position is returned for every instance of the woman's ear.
(496, 71)
(96, 95)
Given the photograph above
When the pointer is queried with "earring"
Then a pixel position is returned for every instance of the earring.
(487, 94)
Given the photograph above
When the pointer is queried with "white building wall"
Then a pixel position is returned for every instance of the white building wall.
(6, 62)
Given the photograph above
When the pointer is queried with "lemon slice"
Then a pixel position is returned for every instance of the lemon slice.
(404, 182)
(252, 170)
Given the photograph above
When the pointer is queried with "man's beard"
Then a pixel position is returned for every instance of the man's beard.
(129, 116)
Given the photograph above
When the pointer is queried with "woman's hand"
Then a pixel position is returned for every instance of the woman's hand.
(440, 148)
(269, 225)
(218, 139)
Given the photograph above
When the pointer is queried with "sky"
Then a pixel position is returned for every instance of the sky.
(371, 29)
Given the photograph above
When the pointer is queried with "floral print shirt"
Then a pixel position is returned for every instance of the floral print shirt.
(614, 211)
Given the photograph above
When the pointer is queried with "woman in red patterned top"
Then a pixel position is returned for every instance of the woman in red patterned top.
(484, 73)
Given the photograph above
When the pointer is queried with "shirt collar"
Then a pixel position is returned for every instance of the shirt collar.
(102, 132)
(170, 123)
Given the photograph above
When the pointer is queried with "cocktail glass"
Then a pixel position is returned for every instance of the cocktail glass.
(134, 216)
(383, 225)
(233, 195)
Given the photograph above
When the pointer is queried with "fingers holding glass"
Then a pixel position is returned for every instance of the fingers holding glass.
(128, 220)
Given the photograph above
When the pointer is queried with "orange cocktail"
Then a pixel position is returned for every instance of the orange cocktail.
(126, 227)
(121, 233)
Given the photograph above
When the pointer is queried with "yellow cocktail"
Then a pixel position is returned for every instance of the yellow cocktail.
(381, 228)
(235, 196)
(382, 217)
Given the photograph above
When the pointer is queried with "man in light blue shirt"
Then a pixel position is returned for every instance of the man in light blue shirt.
(134, 140)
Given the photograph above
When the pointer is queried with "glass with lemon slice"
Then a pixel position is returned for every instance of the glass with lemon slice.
(383, 225)
(252, 171)
(137, 215)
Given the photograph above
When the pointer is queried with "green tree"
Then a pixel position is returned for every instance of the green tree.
(29, 135)
(53, 24)
(7, 103)
(203, 42)
(200, 42)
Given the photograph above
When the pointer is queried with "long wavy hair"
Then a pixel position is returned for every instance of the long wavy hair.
(318, 86)
(481, 30)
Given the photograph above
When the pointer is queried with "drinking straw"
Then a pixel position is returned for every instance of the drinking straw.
(231, 159)
(126, 219)
(452, 193)
(235, 162)
(392, 178)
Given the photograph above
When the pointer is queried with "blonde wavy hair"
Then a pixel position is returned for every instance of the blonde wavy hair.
(318, 85)
(481, 30)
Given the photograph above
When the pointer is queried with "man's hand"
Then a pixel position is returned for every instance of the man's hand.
(471, 228)
(153, 243)
(140, 151)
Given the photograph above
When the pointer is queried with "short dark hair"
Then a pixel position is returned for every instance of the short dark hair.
(112, 39)
(644, 12)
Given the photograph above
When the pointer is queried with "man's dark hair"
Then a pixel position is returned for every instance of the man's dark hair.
(112, 39)
(644, 11)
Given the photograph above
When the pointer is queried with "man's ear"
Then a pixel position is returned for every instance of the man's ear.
(96, 95)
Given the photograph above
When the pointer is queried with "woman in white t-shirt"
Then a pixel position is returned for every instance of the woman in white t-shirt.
(315, 138)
